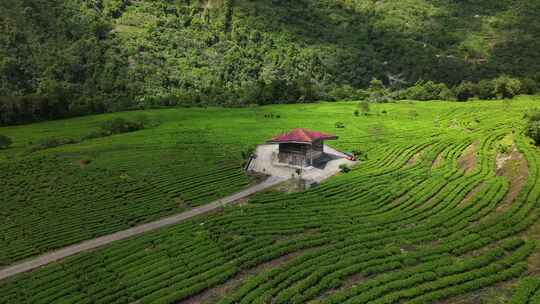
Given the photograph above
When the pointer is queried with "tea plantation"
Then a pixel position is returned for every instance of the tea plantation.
(446, 206)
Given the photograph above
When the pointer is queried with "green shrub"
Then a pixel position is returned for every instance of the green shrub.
(344, 168)
(5, 142)
(246, 154)
(52, 142)
(532, 129)
(532, 115)
(364, 107)
(503, 149)
(94, 134)
(121, 125)
(360, 155)
(428, 90)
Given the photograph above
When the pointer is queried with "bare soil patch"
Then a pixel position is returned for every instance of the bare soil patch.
(83, 163)
(467, 161)
(514, 167)
(437, 162)
(292, 185)
(180, 203)
(413, 160)
(400, 200)
(416, 157)
(242, 201)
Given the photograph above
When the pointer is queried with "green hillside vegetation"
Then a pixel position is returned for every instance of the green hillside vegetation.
(431, 214)
(69, 57)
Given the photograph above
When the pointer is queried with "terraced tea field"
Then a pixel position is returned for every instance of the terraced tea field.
(439, 212)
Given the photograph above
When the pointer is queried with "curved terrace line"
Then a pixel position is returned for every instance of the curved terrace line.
(131, 232)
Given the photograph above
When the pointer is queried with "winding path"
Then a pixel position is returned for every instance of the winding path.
(134, 231)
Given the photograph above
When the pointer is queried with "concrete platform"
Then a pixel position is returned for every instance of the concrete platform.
(265, 161)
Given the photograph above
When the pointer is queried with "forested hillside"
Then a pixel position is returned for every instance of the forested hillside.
(69, 57)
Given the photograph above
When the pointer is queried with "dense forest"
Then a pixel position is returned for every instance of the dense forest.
(62, 58)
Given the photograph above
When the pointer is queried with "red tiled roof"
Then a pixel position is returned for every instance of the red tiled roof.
(301, 136)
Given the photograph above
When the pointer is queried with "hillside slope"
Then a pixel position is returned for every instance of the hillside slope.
(445, 205)
(104, 54)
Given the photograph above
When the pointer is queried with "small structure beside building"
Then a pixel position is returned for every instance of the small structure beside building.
(301, 147)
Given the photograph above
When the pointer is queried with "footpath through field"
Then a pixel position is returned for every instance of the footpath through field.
(137, 230)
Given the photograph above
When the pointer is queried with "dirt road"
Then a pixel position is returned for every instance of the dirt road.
(137, 230)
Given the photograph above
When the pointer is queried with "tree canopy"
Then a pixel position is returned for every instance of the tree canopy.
(89, 56)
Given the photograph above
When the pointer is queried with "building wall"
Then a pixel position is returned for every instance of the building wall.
(299, 154)
(293, 159)
(317, 149)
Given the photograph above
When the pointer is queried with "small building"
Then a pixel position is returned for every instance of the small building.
(301, 147)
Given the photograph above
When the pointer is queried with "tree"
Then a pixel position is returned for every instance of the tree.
(5, 142)
(506, 87)
(485, 89)
(464, 91)
(529, 86)
(428, 90)
(345, 92)
(377, 92)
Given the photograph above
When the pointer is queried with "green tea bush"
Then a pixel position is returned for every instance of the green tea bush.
(386, 232)
(525, 292)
